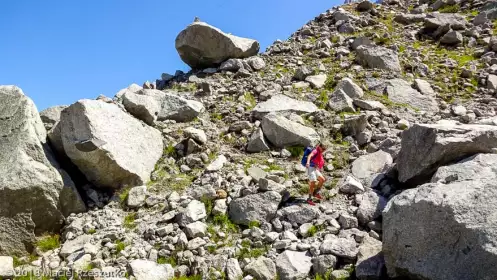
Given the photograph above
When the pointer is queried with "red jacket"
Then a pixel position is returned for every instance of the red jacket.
(317, 158)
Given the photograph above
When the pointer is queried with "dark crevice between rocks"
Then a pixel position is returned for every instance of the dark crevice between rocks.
(83, 186)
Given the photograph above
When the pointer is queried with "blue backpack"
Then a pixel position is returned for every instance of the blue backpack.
(307, 152)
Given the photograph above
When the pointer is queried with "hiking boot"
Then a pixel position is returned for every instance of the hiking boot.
(310, 202)
(318, 196)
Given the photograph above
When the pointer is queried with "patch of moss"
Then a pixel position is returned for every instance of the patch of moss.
(170, 151)
(254, 224)
(123, 195)
(341, 159)
(224, 222)
(129, 221)
(208, 205)
(249, 97)
(450, 9)
(167, 260)
(296, 151)
(322, 100)
(48, 242)
(120, 246)
(194, 277)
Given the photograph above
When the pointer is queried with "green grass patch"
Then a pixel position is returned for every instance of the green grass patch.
(88, 267)
(208, 205)
(246, 252)
(341, 159)
(170, 150)
(224, 222)
(330, 83)
(194, 277)
(249, 97)
(120, 246)
(303, 189)
(254, 224)
(273, 166)
(129, 221)
(123, 195)
(23, 261)
(312, 230)
(167, 260)
(326, 276)
(322, 99)
(296, 151)
(48, 242)
(211, 248)
(450, 9)
(215, 116)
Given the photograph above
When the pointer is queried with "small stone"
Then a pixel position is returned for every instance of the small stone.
(403, 124)
(136, 196)
(196, 134)
(347, 221)
(352, 186)
(459, 110)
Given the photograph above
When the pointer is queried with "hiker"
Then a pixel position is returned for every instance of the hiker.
(314, 162)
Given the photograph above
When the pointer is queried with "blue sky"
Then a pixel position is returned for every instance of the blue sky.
(61, 51)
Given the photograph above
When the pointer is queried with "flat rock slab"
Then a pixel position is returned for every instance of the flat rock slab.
(401, 92)
(283, 104)
(150, 105)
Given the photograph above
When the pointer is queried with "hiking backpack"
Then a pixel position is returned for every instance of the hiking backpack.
(307, 152)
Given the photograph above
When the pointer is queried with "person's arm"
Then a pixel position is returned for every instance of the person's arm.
(310, 157)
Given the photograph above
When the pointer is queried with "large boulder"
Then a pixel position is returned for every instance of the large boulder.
(150, 105)
(110, 147)
(350, 88)
(201, 45)
(378, 57)
(282, 132)
(434, 21)
(300, 214)
(401, 92)
(367, 166)
(445, 229)
(283, 104)
(425, 147)
(292, 265)
(31, 185)
(370, 206)
(259, 207)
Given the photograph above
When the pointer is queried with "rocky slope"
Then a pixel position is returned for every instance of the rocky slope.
(198, 175)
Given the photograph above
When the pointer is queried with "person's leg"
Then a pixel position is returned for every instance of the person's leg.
(321, 179)
(312, 184)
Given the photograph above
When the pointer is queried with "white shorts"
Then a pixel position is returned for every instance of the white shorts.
(313, 173)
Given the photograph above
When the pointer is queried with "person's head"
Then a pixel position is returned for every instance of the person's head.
(322, 146)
